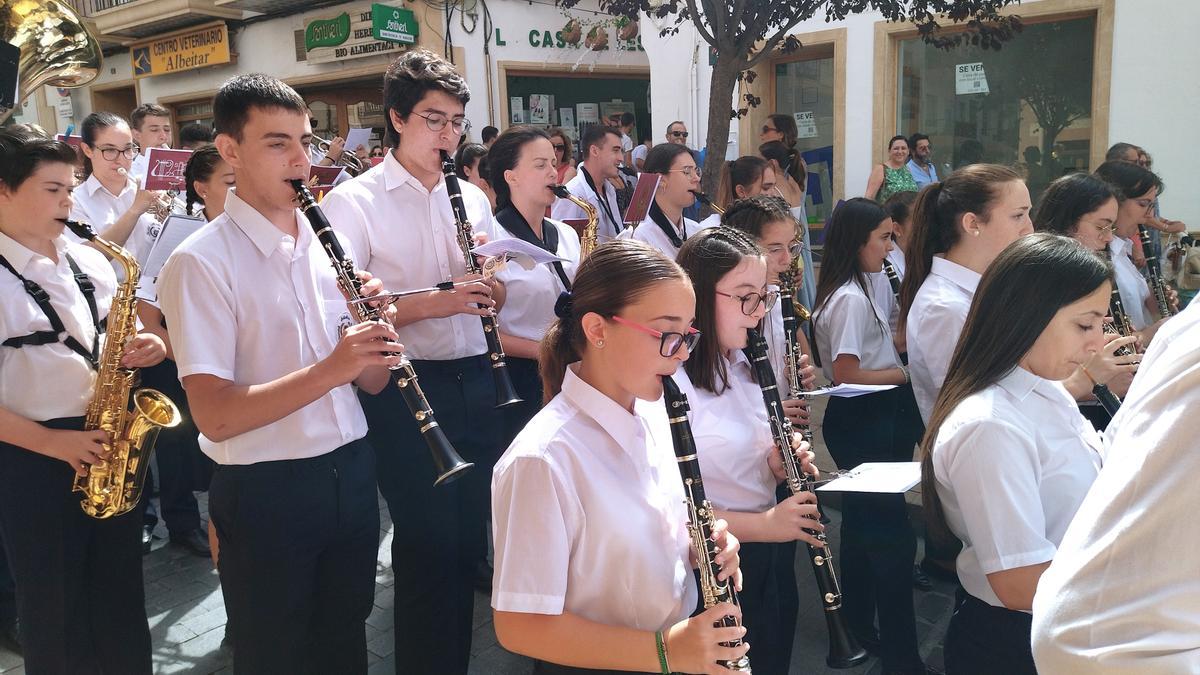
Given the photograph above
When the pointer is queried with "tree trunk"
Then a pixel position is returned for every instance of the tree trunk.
(724, 79)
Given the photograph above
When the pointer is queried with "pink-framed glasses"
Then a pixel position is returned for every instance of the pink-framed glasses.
(670, 341)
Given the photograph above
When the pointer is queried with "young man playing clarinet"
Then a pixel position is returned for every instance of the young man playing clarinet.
(398, 218)
(267, 354)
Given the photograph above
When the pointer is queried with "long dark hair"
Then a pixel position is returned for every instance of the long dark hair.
(1129, 180)
(786, 125)
(466, 155)
(707, 257)
(200, 167)
(849, 228)
(1019, 294)
(788, 158)
(611, 278)
(504, 154)
(660, 158)
(91, 127)
(936, 216)
(1068, 199)
(744, 171)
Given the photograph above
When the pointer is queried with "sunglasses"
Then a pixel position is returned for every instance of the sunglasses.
(669, 342)
(769, 130)
(679, 134)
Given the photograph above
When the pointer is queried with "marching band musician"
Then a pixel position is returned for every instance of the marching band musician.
(742, 178)
(150, 125)
(593, 566)
(665, 227)
(602, 156)
(899, 208)
(80, 597)
(521, 161)
(109, 199)
(736, 448)
(398, 217)
(1008, 458)
(267, 353)
(855, 346)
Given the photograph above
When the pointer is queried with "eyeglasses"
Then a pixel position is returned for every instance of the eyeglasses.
(1144, 203)
(670, 341)
(436, 122)
(751, 301)
(1105, 229)
(688, 171)
(769, 130)
(110, 153)
(679, 134)
(558, 146)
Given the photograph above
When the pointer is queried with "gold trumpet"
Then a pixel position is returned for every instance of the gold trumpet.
(55, 47)
(348, 158)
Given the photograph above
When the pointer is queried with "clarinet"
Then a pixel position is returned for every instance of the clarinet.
(701, 516)
(447, 464)
(506, 394)
(1121, 323)
(1154, 270)
(894, 279)
(844, 650)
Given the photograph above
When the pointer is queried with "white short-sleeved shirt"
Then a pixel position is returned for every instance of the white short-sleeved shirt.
(250, 304)
(1122, 593)
(882, 286)
(639, 152)
(610, 220)
(530, 294)
(649, 232)
(851, 323)
(588, 515)
(1013, 462)
(49, 381)
(733, 439)
(406, 236)
(140, 166)
(1130, 283)
(935, 322)
(96, 206)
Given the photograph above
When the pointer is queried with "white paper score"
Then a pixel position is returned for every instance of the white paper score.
(881, 477)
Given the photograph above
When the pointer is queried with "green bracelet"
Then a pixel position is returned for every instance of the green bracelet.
(661, 643)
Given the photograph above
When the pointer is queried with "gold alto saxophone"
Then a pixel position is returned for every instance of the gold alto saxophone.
(587, 243)
(132, 418)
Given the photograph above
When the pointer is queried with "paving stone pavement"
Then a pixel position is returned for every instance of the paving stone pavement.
(187, 615)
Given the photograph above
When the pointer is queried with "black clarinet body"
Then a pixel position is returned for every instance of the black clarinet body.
(506, 393)
(893, 278)
(1107, 399)
(448, 465)
(1158, 285)
(844, 650)
(701, 516)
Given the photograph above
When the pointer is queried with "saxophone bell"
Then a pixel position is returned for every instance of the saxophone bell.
(591, 231)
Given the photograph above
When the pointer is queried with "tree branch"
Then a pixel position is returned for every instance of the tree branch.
(703, 30)
(773, 41)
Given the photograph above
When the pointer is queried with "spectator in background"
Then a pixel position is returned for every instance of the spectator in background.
(639, 153)
(891, 176)
(677, 132)
(470, 163)
(626, 123)
(564, 155)
(195, 135)
(377, 151)
(1123, 151)
(489, 135)
(921, 165)
(779, 127)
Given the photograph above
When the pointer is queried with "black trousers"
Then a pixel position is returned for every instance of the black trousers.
(80, 596)
(878, 544)
(527, 382)
(544, 668)
(440, 531)
(987, 640)
(769, 604)
(181, 467)
(8, 589)
(299, 541)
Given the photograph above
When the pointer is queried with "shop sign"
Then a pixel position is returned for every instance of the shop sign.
(350, 34)
(573, 36)
(969, 78)
(393, 24)
(193, 48)
(806, 124)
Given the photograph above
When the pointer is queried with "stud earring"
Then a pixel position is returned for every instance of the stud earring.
(600, 344)
(976, 232)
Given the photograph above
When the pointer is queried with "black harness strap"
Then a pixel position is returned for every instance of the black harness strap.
(57, 329)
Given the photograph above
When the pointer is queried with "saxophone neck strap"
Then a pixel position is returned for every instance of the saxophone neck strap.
(58, 332)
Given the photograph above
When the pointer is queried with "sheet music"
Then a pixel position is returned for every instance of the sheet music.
(848, 390)
(174, 231)
(880, 477)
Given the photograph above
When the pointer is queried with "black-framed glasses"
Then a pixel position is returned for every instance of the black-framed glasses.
(110, 153)
(751, 301)
(437, 122)
(669, 341)
(558, 147)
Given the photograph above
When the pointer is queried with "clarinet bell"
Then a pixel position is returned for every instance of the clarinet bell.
(447, 464)
(844, 650)
(506, 393)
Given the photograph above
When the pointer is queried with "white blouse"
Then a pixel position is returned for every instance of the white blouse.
(851, 323)
(96, 206)
(50, 381)
(733, 439)
(588, 515)
(1134, 289)
(649, 232)
(530, 294)
(1013, 463)
(1122, 593)
(935, 322)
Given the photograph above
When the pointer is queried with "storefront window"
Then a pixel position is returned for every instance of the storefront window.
(1028, 105)
(805, 90)
(574, 102)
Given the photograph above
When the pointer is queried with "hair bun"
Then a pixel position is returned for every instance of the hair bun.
(563, 306)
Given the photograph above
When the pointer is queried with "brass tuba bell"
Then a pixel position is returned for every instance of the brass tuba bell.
(55, 47)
